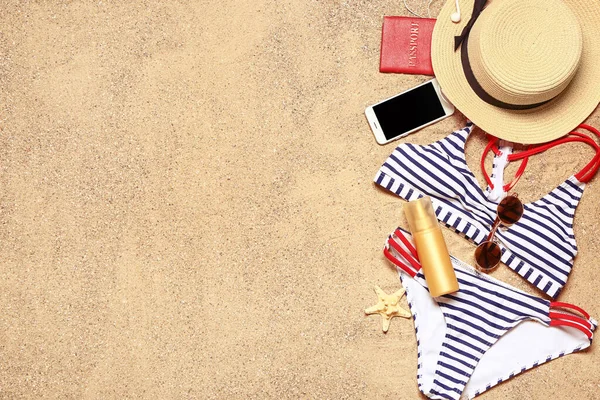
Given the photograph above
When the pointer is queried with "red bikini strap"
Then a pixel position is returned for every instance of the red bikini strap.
(569, 306)
(408, 257)
(556, 322)
(570, 317)
(408, 244)
(492, 146)
(412, 257)
(591, 167)
(573, 321)
(398, 263)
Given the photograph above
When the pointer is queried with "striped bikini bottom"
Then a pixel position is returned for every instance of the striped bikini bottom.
(485, 333)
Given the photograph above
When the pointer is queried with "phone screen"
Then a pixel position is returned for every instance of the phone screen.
(408, 111)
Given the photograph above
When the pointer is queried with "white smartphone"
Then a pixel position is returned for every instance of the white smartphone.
(408, 111)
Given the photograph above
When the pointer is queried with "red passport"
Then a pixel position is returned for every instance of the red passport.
(406, 45)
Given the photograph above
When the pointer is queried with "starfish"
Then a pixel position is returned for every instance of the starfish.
(388, 307)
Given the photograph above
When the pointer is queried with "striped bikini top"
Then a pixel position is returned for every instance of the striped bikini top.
(540, 246)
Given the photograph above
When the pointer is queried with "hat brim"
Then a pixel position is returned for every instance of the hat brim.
(538, 125)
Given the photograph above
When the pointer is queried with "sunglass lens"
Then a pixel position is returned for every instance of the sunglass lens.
(510, 210)
(487, 255)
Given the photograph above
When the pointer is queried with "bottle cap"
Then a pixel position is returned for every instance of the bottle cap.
(420, 215)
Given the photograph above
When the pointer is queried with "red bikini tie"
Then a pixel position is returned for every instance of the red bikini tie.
(411, 258)
(584, 175)
(492, 146)
(571, 320)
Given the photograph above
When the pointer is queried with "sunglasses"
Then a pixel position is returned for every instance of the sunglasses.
(489, 253)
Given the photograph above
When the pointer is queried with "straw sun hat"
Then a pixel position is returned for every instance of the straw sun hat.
(528, 71)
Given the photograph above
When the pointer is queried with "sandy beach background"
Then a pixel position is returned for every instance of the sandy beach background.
(187, 207)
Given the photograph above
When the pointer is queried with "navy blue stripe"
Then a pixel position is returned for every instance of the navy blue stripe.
(489, 299)
(445, 387)
(469, 334)
(537, 281)
(435, 152)
(540, 222)
(444, 395)
(557, 197)
(463, 362)
(415, 186)
(506, 287)
(395, 172)
(472, 325)
(511, 299)
(518, 269)
(461, 352)
(510, 259)
(444, 173)
(450, 154)
(468, 173)
(538, 248)
(442, 180)
(480, 307)
(574, 186)
(576, 198)
(390, 184)
(547, 287)
(544, 200)
(380, 178)
(456, 222)
(535, 229)
(465, 343)
(537, 232)
(405, 177)
(458, 147)
(399, 190)
(450, 378)
(459, 136)
(473, 315)
(557, 293)
(468, 226)
(528, 273)
(465, 172)
(454, 369)
(517, 245)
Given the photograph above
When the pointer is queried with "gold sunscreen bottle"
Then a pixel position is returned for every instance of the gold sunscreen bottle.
(431, 247)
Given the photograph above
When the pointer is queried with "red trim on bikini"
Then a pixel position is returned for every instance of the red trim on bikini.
(404, 253)
(408, 244)
(411, 257)
(584, 175)
(569, 306)
(492, 146)
(573, 321)
(587, 332)
(398, 263)
(570, 317)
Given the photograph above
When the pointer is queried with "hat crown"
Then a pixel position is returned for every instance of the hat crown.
(525, 52)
